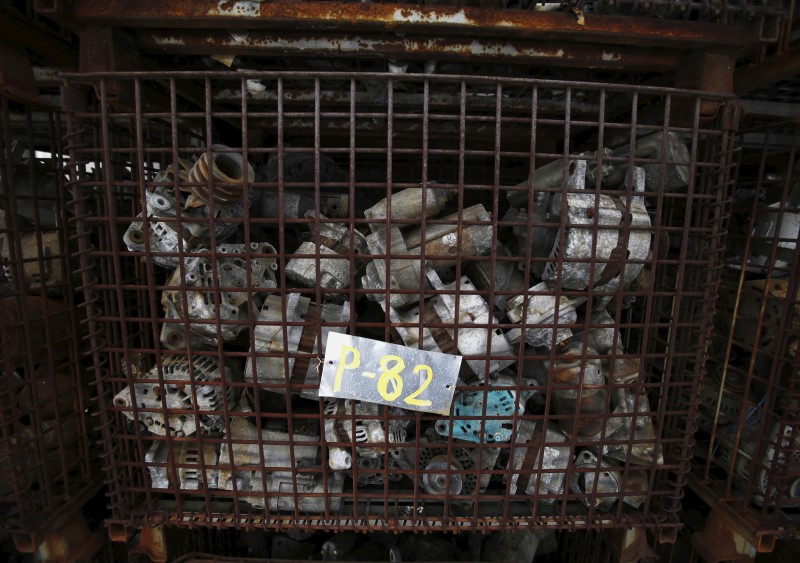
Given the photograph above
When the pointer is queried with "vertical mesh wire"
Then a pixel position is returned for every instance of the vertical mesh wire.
(747, 450)
(201, 423)
(44, 456)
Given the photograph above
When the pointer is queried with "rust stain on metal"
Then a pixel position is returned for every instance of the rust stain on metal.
(382, 46)
(441, 19)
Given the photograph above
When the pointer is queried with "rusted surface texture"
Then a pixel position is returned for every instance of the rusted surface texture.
(393, 47)
(343, 16)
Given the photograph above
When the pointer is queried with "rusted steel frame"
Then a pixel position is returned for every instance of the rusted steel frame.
(736, 517)
(772, 70)
(344, 16)
(392, 47)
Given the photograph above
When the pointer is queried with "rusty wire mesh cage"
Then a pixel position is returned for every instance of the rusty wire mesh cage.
(44, 457)
(563, 237)
(748, 446)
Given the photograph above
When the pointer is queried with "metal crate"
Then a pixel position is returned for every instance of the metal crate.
(471, 141)
(748, 449)
(47, 474)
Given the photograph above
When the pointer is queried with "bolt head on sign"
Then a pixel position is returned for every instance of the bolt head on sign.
(378, 372)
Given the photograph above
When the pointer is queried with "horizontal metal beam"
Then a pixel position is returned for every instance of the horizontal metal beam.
(422, 20)
(262, 43)
(774, 69)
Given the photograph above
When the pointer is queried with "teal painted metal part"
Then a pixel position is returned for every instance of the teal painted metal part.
(493, 428)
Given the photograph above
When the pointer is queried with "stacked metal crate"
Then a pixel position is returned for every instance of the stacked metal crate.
(569, 408)
(748, 448)
(562, 230)
(47, 471)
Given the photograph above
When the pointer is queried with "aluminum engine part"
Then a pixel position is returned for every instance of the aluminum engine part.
(637, 249)
(205, 301)
(676, 172)
(370, 437)
(586, 229)
(189, 382)
(441, 309)
(226, 172)
(272, 463)
(540, 465)
(675, 176)
(456, 478)
(507, 277)
(541, 310)
(445, 241)
(469, 423)
(601, 338)
(579, 236)
(300, 340)
(591, 479)
(577, 391)
(162, 234)
(189, 465)
(622, 427)
(464, 462)
(407, 204)
(780, 458)
(334, 273)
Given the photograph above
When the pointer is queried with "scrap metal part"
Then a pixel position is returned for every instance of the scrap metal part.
(776, 473)
(635, 251)
(277, 460)
(631, 424)
(594, 481)
(208, 307)
(507, 278)
(540, 461)
(614, 168)
(439, 477)
(589, 231)
(600, 486)
(307, 340)
(540, 316)
(334, 240)
(225, 170)
(599, 232)
(163, 230)
(189, 383)
(407, 204)
(357, 421)
(472, 424)
(441, 309)
(187, 459)
(443, 243)
(578, 390)
(460, 476)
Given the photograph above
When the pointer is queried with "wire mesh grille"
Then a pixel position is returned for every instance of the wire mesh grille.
(209, 301)
(748, 449)
(44, 456)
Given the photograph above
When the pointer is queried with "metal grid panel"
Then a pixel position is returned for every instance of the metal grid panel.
(748, 449)
(45, 447)
(474, 141)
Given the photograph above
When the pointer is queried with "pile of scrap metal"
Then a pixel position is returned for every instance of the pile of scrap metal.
(533, 318)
